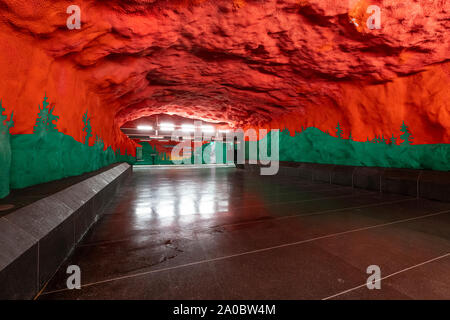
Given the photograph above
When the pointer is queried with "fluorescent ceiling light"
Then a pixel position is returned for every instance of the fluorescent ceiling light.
(187, 128)
(207, 128)
(167, 127)
(224, 131)
(144, 128)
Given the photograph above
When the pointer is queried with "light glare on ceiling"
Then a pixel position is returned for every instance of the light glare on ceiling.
(187, 128)
(207, 128)
(166, 127)
(144, 128)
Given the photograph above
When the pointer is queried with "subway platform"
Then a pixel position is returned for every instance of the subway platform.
(225, 233)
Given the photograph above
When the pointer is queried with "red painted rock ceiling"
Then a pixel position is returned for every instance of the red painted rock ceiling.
(248, 63)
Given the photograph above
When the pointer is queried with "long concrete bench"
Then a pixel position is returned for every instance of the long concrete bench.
(36, 239)
(434, 185)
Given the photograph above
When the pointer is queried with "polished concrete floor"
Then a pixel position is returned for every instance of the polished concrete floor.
(228, 234)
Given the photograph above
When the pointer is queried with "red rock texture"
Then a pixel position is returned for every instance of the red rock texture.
(266, 63)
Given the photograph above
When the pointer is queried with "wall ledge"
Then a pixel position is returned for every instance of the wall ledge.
(36, 239)
(425, 184)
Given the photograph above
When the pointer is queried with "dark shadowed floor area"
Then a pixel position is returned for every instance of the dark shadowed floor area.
(224, 233)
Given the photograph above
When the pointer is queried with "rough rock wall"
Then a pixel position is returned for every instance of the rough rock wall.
(422, 101)
(28, 156)
(265, 63)
(247, 62)
(28, 74)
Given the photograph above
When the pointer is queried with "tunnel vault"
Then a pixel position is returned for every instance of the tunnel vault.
(288, 65)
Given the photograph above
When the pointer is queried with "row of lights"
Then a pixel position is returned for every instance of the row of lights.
(184, 128)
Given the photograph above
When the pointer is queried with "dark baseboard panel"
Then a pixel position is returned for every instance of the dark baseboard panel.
(35, 240)
(426, 184)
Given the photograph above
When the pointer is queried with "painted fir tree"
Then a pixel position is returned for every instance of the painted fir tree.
(87, 128)
(339, 131)
(44, 122)
(99, 143)
(4, 124)
(406, 136)
(350, 137)
(393, 140)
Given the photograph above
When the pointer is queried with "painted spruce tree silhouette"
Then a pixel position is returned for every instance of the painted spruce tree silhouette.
(339, 131)
(380, 149)
(5, 125)
(44, 121)
(393, 141)
(99, 144)
(5, 151)
(87, 128)
(406, 136)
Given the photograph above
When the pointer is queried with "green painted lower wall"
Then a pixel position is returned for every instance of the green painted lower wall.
(5, 163)
(151, 156)
(39, 158)
(44, 156)
(313, 145)
(30, 159)
(47, 154)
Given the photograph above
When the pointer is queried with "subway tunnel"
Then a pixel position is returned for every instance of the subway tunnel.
(227, 149)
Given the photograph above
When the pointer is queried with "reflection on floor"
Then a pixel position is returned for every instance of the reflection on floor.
(223, 233)
(183, 166)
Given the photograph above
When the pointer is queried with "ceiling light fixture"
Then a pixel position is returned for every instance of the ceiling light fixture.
(144, 128)
(167, 127)
(187, 128)
(208, 129)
